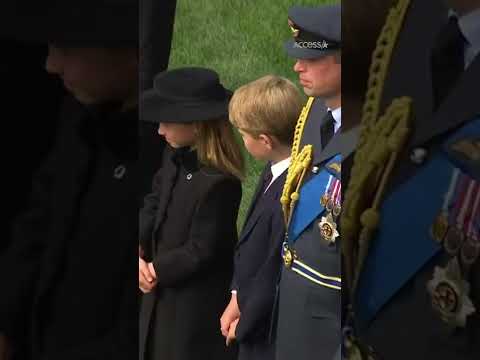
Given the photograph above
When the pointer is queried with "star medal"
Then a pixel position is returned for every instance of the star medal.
(328, 229)
(450, 294)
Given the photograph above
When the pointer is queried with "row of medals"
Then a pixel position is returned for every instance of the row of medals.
(449, 288)
(327, 226)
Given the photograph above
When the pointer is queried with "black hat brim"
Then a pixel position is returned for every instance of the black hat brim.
(304, 53)
(155, 109)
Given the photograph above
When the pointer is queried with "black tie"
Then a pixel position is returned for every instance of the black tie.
(267, 178)
(447, 60)
(327, 129)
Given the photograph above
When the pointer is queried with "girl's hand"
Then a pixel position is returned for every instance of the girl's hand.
(146, 279)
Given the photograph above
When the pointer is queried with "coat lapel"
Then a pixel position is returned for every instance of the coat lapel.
(343, 142)
(459, 107)
(257, 194)
(271, 198)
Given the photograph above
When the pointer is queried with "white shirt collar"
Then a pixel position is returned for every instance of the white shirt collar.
(278, 169)
(337, 117)
(469, 25)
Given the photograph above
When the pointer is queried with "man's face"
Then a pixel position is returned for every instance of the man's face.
(95, 75)
(320, 77)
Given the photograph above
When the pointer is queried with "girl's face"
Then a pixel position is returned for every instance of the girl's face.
(178, 135)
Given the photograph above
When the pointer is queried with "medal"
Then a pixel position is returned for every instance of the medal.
(450, 294)
(331, 202)
(470, 251)
(453, 240)
(471, 247)
(439, 227)
(328, 229)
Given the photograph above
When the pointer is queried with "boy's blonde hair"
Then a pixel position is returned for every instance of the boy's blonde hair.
(217, 147)
(270, 105)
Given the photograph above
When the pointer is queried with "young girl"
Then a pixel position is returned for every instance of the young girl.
(188, 222)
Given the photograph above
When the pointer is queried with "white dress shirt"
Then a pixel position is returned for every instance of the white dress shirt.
(337, 117)
(469, 25)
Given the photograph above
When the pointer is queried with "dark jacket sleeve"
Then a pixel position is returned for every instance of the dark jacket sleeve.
(257, 308)
(148, 212)
(213, 225)
(19, 265)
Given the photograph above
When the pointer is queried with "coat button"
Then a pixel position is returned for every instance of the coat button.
(189, 176)
(315, 169)
(119, 172)
(418, 156)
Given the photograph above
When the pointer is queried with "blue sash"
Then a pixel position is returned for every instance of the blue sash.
(309, 207)
(403, 244)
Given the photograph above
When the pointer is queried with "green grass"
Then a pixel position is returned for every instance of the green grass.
(240, 39)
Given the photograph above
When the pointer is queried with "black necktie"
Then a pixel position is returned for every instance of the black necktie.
(267, 178)
(327, 129)
(447, 60)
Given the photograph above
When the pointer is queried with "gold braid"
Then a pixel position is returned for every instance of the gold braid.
(380, 142)
(299, 165)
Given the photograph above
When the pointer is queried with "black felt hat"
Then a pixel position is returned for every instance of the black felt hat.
(185, 95)
(72, 23)
(316, 31)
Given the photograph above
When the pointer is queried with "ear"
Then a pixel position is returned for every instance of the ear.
(267, 141)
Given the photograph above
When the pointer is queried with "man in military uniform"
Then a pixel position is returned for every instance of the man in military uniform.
(410, 218)
(310, 286)
(69, 280)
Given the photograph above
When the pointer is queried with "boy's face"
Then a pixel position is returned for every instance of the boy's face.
(320, 77)
(258, 147)
(178, 135)
(95, 75)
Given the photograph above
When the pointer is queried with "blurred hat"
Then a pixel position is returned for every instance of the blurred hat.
(72, 23)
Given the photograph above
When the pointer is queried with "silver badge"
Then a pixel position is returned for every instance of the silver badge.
(119, 172)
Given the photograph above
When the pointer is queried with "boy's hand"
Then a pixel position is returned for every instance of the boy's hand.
(146, 276)
(231, 313)
(5, 348)
(231, 332)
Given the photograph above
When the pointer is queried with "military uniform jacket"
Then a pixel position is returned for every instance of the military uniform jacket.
(79, 229)
(309, 315)
(188, 229)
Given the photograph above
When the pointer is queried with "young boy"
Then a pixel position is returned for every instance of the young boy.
(265, 112)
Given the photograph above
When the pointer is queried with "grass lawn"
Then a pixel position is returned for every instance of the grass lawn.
(242, 40)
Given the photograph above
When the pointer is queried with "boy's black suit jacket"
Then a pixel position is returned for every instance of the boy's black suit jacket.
(258, 261)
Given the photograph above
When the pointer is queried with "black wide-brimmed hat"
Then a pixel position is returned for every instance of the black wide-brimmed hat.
(316, 31)
(72, 23)
(185, 95)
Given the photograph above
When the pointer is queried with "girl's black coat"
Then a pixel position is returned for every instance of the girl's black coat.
(188, 229)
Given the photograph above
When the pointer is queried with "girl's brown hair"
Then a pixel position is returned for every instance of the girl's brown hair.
(217, 147)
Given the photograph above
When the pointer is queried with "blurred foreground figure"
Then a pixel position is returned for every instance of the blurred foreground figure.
(69, 279)
(410, 220)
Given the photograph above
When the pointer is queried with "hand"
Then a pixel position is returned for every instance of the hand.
(231, 332)
(231, 313)
(147, 278)
(5, 348)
